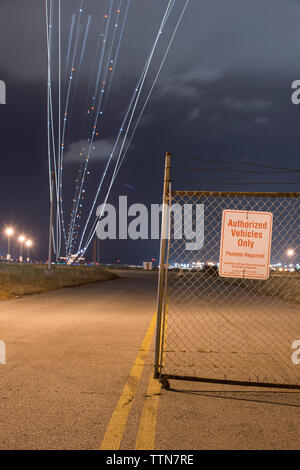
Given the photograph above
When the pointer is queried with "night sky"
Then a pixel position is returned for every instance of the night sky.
(224, 93)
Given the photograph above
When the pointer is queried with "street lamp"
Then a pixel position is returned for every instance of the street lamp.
(290, 252)
(9, 232)
(21, 240)
(29, 245)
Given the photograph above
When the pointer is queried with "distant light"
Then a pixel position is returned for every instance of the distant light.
(290, 252)
(29, 243)
(21, 238)
(9, 231)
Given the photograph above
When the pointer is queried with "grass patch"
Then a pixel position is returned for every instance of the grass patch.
(23, 279)
(286, 287)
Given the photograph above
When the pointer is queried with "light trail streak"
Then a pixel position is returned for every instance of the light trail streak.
(111, 40)
(92, 232)
(50, 122)
(60, 209)
(91, 140)
(69, 45)
(153, 85)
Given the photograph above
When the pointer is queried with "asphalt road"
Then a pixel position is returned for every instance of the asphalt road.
(70, 353)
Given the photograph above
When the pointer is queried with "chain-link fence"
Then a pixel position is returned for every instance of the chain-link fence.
(225, 329)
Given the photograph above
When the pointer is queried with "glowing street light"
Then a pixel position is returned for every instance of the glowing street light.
(21, 240)
(290, 252)
(9, 232)
(29, 245)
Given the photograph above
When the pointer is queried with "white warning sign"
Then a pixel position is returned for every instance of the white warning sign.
(246, 244)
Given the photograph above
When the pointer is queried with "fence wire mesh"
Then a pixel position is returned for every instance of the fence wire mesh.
(229, 328)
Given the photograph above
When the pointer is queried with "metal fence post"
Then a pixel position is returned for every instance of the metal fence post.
(162, 264)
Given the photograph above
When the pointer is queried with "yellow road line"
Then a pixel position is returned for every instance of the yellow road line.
(147, 429)
(146, 434)
(115, 430)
